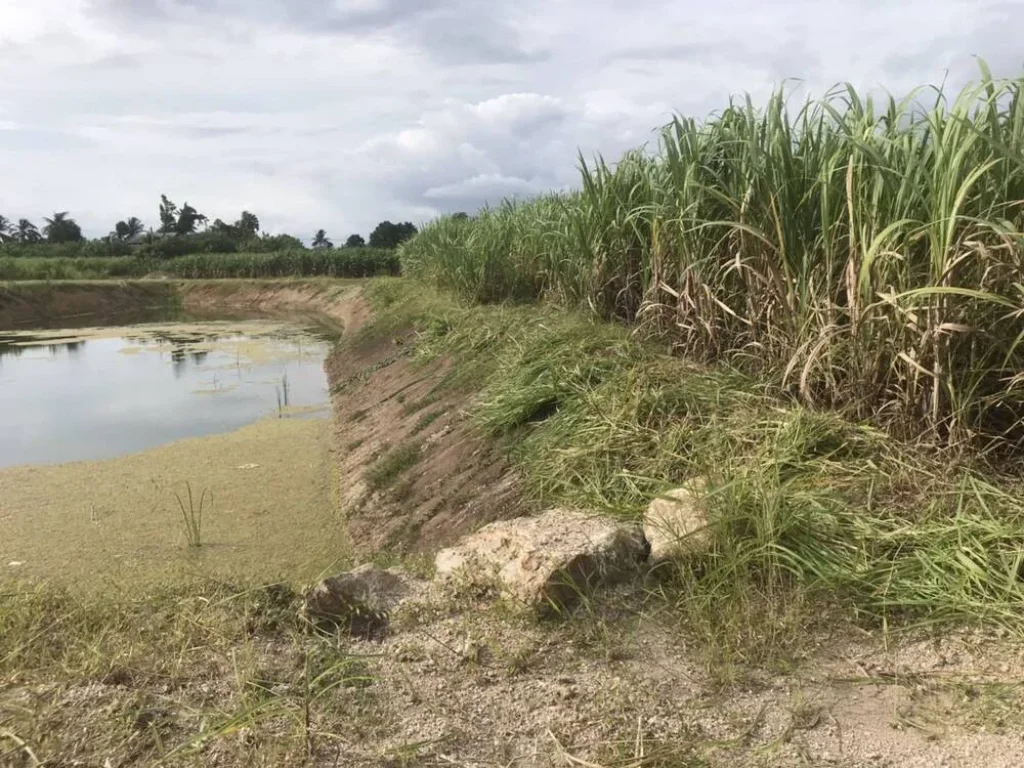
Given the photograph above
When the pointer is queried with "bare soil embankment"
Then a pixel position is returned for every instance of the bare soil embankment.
(58, 305)
(413, 474)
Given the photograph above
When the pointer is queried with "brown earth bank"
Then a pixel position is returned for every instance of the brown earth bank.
(414, 475)
(59, 305)
(465, 681)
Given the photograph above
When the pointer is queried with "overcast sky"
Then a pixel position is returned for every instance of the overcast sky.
(341, 113)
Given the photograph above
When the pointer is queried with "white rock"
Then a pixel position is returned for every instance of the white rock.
(677, 524)
(546, 561)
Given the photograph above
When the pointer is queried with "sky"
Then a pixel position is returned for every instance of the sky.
(338, 114)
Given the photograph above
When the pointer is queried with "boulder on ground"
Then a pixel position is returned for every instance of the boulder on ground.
(546, 561)
(676, 523)
(363, 598)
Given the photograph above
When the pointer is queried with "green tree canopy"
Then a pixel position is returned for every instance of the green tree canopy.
(248, 224)
(281, 242)
(6, 229)
(61, 229)
(27, 232)
(355, 241)
(388, 235)
(168, 215)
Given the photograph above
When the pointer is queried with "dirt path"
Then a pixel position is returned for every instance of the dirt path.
(470, 685)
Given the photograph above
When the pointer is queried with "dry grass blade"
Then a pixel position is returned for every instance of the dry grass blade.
(19, 746)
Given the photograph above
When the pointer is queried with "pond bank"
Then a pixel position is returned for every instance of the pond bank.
(63, 304)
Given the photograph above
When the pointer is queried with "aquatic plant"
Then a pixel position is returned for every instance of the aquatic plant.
(192, 516)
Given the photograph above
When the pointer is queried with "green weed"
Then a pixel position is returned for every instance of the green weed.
(812, 514)
(192, 516)
(426, 420)
(389, 467)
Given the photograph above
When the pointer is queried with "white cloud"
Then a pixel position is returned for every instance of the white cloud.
(489, 187)
(322, 113)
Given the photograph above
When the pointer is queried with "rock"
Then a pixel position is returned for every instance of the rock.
(363, 598)
(676, 523)
(546, 561)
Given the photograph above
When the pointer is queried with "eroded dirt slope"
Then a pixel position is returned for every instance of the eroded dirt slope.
(415, 474)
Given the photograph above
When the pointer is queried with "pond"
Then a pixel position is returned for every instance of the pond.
(103, 392)
(105, 432)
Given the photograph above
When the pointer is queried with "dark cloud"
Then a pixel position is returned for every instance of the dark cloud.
(454, 32)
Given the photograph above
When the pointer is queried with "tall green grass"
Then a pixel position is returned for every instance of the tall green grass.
(802, 504)
(858, 253)
(337, 262)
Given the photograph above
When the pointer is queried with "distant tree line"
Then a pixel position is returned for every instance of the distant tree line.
(182, 230)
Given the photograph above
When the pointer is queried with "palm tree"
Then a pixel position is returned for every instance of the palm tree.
(248, 223)
(320, 240)
(5, 229)
(135, 227)
(188, 218)
(61, 229)
(27, 232)
(127, 230)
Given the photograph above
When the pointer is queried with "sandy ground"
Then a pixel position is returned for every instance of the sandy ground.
(473, 685)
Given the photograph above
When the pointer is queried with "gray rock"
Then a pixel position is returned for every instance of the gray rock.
(363, 598)
(548, 561)
(676, 523)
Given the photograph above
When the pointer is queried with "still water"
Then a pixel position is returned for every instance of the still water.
(98, 393)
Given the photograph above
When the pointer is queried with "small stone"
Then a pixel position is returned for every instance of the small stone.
(364, 598)
(675, 523)
(565, 692)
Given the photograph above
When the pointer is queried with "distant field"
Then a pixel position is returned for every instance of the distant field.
(335, 262)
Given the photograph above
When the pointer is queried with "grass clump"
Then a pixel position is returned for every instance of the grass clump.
(855, 253)
(389, 467)
(192, 515)
(810, 510)
(426, 420)
(190, 673)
